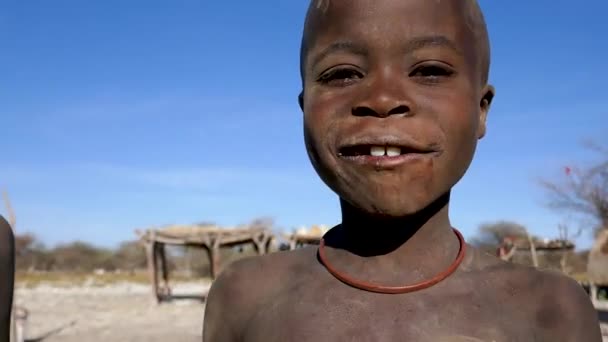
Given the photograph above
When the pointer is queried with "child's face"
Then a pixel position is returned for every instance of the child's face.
(396, 72)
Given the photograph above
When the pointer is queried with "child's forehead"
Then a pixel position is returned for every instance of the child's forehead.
(379, 22)
(345, 7)
(459, 20)
(363, 17)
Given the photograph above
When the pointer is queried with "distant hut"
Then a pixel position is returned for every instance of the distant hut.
(304, 236)
(542, 253)
(208, 237)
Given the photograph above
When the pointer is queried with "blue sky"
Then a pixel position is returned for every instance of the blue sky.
(119, 115)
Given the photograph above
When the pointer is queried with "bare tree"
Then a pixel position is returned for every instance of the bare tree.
(12, 218)
(566, 234)
(583, 190)
(491, 235)
(532, 249)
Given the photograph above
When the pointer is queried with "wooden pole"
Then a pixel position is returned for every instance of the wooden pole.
(188, 255)
(292, 242)
(152, 269)
(533, 250)
(19, 323)
(593, 293)
(259, 240)
(267, 238)
(214, 257)
(165, 290)
(269, 243)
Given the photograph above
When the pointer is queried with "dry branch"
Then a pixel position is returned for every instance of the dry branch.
(12, 218)
(582, 190)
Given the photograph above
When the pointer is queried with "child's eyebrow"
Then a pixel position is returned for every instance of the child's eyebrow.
(411, 46)
(339, 46)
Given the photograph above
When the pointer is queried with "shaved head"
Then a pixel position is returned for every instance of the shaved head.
(477, 25)
(469, 9)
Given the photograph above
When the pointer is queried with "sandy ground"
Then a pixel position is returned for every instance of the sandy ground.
(120, 312)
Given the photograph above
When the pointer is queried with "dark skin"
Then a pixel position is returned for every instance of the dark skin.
(409, 73)
(7, 277)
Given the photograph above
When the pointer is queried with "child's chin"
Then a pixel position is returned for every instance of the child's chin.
(392, 208)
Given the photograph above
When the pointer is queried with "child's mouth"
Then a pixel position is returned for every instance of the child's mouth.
(375, 151)
(383, 156)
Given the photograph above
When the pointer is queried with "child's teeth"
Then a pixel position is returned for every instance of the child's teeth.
(393, 151)
(377, 151)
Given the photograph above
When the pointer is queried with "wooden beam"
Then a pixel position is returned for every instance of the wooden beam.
(226, 238)
(214, 256)
(152, 269)
(162, 256)
(269, 242)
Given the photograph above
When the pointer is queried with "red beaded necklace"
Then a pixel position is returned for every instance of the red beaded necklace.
(394, 289)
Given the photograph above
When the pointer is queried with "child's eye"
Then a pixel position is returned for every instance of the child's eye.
(340, 77)
(431, 72)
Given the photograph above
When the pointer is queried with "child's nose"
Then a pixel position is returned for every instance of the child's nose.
(382, 98)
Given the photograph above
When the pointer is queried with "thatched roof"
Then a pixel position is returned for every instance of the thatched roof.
(549, 253)
(189, 230)
(597, 267)
(315, 231)
(201, 234)
(306, 235)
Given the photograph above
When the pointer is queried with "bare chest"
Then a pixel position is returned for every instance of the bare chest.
(353, 316)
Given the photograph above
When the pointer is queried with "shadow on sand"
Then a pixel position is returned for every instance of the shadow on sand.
(51, 333)
(184, 297)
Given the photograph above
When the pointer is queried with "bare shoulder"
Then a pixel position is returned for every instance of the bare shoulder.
(7, 244)
(565, 311)
(244, 285)
(5, 229)
(7, 269)
(7, 249)
(556, 304)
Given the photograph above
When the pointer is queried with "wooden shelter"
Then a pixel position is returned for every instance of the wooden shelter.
(306, 236)
(536, 252)
(211, 238)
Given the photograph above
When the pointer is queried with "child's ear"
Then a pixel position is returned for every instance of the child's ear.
(484, 107)
(301, 100)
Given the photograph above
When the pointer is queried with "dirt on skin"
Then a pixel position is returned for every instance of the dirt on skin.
(119, 312)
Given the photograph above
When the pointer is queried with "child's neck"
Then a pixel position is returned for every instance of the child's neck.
(412, 247)
(368, 235)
